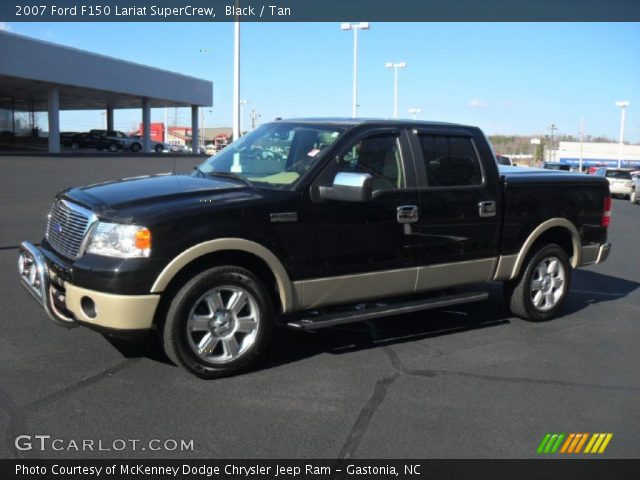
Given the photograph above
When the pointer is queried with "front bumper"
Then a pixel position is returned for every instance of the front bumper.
(67, 304)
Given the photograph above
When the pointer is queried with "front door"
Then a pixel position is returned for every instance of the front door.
(361, 250)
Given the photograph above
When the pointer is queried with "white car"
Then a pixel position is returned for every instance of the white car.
(635, 188)
(619, 180)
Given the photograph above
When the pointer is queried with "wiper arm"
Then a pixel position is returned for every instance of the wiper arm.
(231, 175)
(197, 169)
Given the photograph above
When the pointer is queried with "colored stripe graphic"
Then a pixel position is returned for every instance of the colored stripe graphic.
(567, 442)
(581, 442)
(572, 443)
(598, 443)
(551, 442)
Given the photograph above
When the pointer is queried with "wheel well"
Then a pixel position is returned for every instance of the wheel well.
(558, 235)
(237, 258)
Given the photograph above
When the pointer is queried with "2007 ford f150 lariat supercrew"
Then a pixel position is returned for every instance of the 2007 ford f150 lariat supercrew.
(308, 224)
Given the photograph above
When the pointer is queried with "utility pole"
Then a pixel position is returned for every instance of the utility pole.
(254, 116)
(553, 128)
(581, 140)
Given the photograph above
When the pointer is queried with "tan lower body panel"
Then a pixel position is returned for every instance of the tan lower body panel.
(453, 274)
(121, 312)
(347, 288)
(368, 286)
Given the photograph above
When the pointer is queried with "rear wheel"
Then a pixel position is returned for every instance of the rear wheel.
(159, 148)
(633, 198)
(113, 147)
(218, 323)
(539, 293)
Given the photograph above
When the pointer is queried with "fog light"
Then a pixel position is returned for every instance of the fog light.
(33, 274)
(21, 263)
(88, 307)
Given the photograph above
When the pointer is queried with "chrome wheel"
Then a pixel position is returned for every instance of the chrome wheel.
(223, 324)
(548, 284)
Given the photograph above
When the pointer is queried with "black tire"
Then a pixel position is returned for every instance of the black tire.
(181, 343)
(75, 146)
(519, 293)
(135, 147)
(113, 147)
(159, 148)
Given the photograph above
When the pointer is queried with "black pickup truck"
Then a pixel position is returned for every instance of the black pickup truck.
(311, 223)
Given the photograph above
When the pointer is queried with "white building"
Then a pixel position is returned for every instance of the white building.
(594, 154)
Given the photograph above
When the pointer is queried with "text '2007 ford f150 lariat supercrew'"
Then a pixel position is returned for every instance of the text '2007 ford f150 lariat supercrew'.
(308, 224)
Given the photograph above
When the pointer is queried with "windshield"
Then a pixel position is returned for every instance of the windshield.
(274, 155)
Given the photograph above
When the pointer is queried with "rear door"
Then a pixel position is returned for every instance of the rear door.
(460, 207)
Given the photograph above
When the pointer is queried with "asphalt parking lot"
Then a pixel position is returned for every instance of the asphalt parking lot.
(466, 382)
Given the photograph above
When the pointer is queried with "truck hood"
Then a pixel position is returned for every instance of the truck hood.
(139, 194)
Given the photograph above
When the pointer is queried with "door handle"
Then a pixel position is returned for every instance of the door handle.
(487, 208)
(407, 214)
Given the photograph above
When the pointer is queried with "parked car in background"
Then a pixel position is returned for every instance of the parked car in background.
(179, 148)
(130, 143)
(502, 160)
(92, 140)
(557, 166)
(619, 180)
(157, 147)
(210, 149)
(635, 188)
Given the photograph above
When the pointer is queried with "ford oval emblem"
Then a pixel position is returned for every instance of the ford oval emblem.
(57, 228)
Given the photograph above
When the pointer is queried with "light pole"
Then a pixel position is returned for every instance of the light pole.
(395, 67)
(355, 27)
(242, 104)
(236, 80)
(623, 106)
(414, 111)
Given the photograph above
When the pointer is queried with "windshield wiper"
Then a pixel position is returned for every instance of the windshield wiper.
(233, 176)
(197, 169)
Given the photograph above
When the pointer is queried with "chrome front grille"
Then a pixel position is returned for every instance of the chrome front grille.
(67, 226)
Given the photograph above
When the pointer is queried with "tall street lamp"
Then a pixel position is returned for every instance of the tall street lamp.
(236, 80)
(355, 27)
(623, 106)
(395, 67)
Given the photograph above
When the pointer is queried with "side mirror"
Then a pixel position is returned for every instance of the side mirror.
(349, 187)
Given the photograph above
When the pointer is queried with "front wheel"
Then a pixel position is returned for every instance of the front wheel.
(218, 323)
(135, 147)
(159, 148)
(539, 293)
(633, 198)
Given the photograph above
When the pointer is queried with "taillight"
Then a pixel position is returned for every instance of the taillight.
(606, 212)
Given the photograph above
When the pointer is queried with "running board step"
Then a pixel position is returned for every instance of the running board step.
(377, 310)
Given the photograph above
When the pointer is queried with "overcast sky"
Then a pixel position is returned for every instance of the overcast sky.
(509, 78)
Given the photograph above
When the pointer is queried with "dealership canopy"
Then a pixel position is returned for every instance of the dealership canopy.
(41, 76)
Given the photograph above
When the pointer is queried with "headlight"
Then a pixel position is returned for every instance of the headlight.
(124, 241)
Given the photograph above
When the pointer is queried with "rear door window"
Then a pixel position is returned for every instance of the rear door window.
(450, 161)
